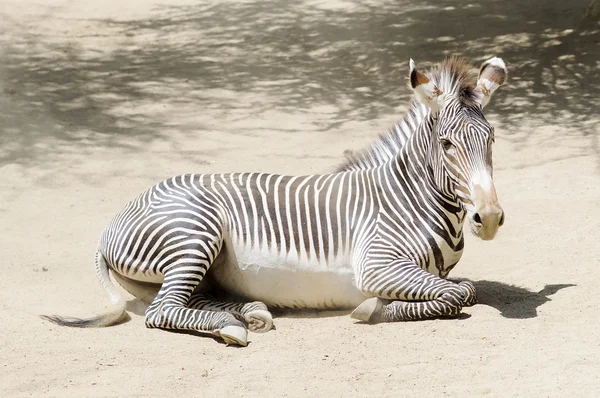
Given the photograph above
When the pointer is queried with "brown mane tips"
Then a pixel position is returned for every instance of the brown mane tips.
(458, 66)
(455, 76)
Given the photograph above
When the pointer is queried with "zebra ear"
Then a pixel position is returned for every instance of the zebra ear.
(493, 74)
(426, 91)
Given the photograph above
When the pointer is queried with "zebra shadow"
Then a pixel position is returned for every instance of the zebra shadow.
(513, 301)
(138, 307)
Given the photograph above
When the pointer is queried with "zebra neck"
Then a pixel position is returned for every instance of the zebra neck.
(389, 143)
(412, 168)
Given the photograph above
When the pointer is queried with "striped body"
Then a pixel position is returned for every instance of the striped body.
(381, 234)
(287, 241)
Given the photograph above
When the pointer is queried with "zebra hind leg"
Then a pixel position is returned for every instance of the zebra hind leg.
(255, 314)
(169, 310)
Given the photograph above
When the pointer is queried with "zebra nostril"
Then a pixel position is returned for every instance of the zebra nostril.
(501, 222)
(477, 218)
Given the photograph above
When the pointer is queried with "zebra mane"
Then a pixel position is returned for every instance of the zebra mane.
(454, 76)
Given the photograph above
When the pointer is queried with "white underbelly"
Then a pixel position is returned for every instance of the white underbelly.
(288, 281)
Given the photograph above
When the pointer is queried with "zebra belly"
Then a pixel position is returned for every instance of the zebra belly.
(288, 281)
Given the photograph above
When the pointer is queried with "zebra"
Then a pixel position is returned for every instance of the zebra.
(379, 235)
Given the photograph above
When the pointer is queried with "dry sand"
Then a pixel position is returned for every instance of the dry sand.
(101, 99)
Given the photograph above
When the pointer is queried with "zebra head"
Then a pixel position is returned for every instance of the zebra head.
(460, 150)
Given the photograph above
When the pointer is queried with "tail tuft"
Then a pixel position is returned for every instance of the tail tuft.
(109, 318)
(114, 315)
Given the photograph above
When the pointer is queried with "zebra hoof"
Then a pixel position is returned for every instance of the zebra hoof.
(470, 293)
(259, 321)
(234, 335)
(369, 310)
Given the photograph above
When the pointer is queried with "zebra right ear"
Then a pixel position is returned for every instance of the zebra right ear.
(493, 74)
(426, 91)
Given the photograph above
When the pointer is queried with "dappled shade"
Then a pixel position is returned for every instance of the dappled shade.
(139, 79)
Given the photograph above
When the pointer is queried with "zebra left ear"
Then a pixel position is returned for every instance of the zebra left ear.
(493, 74)
(427, 92)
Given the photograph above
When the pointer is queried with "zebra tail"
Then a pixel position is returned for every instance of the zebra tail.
(114, 315)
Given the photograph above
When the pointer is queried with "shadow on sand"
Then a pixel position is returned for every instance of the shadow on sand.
(136, 79)
(511, 301)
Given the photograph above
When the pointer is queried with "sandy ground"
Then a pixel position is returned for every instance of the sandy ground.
(99, 100)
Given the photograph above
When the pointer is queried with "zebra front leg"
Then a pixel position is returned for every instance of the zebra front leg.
(448, 304)
(255, 313)
(471, 294)
(169, 308)
(423, 295)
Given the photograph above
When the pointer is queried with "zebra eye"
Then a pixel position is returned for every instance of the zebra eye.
(446, 144)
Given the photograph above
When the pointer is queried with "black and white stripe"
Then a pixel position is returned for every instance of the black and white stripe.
(391, 217)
